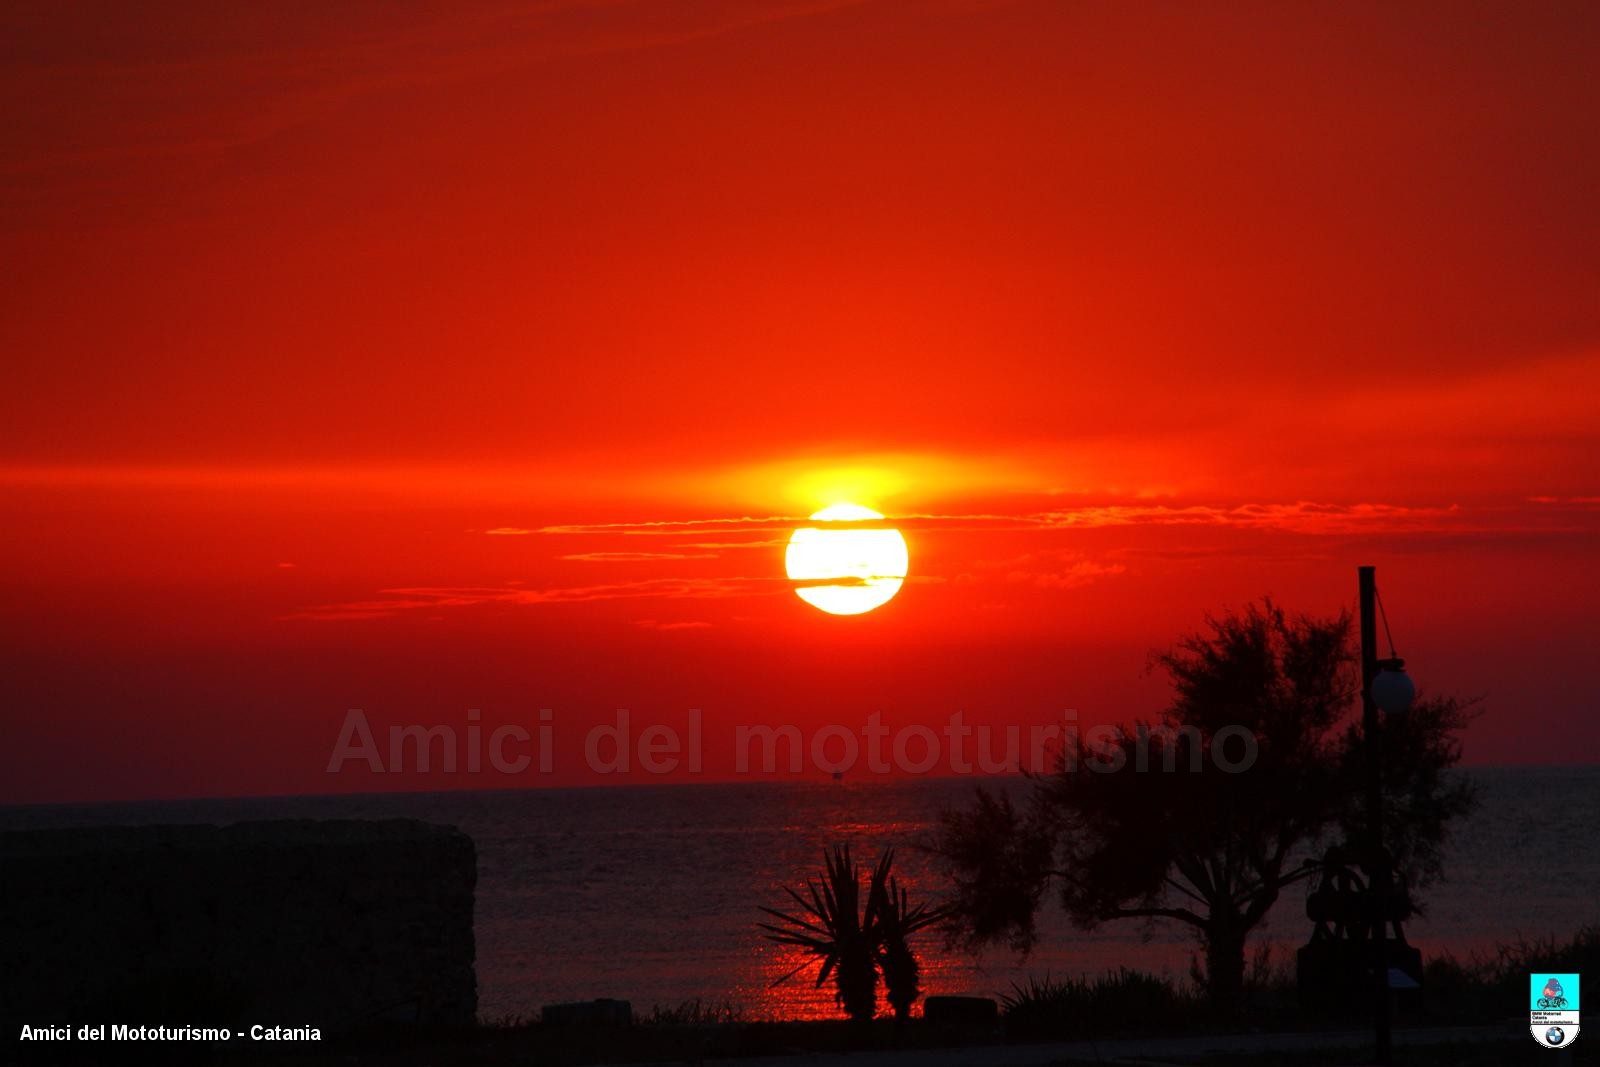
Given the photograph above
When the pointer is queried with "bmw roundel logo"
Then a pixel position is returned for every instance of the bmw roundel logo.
(1555, 1035)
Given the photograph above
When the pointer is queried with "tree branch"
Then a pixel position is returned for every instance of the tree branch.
(1180, 914)
(1185, 890)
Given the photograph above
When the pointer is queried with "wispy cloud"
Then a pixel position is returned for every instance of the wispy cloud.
(1048, 568)
(1571, 501)
(634, 557)
(391, 602)
(1301, 516)
(1068, 576)
(679, 526)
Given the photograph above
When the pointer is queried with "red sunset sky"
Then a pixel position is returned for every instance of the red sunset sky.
(354, 355)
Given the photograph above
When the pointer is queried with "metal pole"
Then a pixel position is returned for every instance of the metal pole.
(1377, 869)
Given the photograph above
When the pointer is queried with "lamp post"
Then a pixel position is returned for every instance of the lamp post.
(1386, 687)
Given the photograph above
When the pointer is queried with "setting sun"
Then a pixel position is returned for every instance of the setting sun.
(424, 419)
(849, 569)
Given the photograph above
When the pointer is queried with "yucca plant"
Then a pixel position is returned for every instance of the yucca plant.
(895, 920)
(839, 938)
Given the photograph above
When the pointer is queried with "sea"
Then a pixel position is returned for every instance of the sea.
(652, 893)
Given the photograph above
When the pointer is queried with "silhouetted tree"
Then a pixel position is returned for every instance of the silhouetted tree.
(1163, 821)
(851, 943)
(895, 919)
(835, 933)
(1420, 797)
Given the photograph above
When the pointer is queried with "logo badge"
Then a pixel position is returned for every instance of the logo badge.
(1553, 1009)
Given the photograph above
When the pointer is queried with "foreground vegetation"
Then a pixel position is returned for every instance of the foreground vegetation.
(1478, 991)
(1506, 1053)
(1157, 821)
(854, 940)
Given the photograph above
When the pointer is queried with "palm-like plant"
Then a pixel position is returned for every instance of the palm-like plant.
(835, 934)
(895, 920)
(852, 943)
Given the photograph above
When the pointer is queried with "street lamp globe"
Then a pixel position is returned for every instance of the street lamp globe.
(1393, 690)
